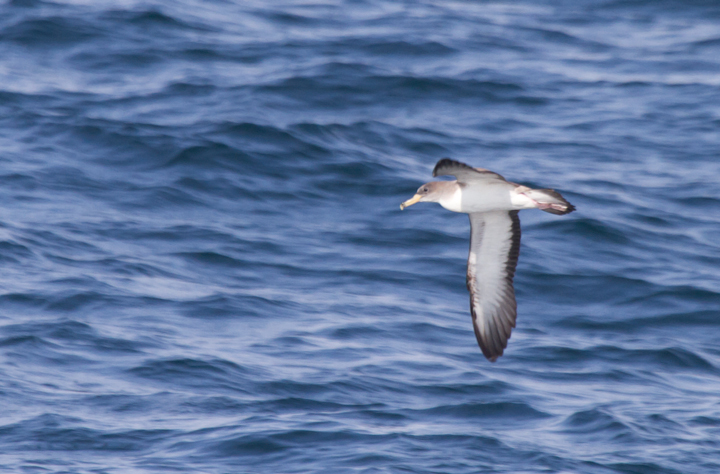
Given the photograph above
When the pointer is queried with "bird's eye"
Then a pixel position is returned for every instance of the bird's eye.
(424, 190)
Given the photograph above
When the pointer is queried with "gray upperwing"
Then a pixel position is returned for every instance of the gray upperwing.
(494, 251)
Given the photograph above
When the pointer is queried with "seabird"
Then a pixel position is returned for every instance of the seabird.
(493, 204)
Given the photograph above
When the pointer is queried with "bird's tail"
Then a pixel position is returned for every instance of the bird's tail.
(551, 201)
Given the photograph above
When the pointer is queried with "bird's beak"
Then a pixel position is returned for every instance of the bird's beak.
(410, 202)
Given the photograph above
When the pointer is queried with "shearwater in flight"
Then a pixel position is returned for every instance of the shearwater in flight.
(493, 204)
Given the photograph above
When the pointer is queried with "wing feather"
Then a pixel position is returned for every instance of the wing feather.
(494, 251)
(464, 173)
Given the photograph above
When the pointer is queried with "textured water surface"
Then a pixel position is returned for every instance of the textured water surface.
(205, 268)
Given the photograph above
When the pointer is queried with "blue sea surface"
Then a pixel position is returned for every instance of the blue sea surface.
(205, 268)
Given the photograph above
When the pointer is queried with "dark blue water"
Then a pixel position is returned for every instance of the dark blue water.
(205, 268)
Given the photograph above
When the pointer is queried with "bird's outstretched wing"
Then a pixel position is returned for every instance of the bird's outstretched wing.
(494, 250)
(465, 173)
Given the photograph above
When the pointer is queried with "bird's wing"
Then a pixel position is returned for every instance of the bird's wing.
(465, 173)
(494, 250)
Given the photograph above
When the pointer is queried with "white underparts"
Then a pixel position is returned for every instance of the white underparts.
(498, 197)
(453, 202)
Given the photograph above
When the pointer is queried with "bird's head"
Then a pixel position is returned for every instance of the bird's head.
(428, 192)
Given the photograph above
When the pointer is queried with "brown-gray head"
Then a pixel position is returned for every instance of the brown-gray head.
(430, 192)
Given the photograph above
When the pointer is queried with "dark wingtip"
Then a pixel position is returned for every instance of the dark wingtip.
(441, 164)
(437, 171)
(490, 353)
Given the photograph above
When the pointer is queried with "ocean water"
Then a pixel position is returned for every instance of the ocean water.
(205, 268)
